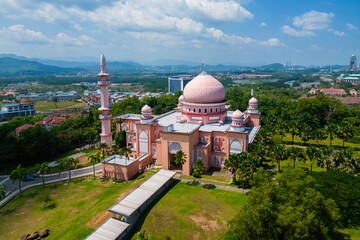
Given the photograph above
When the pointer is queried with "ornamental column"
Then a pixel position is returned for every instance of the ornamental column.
(105, 117)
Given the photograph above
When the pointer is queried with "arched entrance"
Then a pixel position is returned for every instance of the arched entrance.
(173, 149)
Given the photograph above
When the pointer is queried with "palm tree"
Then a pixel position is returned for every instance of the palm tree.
(342, 159)
(103, 146)
(326, 158)
(232, 163)
(68, 162)
(294, 154)
(142, 235)
(42, 168)
(125, 151)
(114, 149)
(293, 129)
(330, 129)
(258, 150)
(345, 131)
(94, 159)
(281, 129)
(312, 154)
(2, 192)
(199, 168)
(279, 153)
(18, 174)
(180, 158)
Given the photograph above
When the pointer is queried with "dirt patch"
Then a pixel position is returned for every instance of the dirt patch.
(83, 160)
(98, 219)
(204, 223)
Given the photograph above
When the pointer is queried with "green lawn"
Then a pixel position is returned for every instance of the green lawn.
(79, 207)
(62, 105)
(192, 212)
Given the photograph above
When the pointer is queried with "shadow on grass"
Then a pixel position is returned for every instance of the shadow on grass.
(144, 215)
(50, 206)
(8, 211)
(32, 194)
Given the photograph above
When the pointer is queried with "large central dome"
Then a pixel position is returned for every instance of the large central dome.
(204, 89)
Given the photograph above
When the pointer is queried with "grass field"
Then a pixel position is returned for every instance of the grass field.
(77, 208)
(63, 105)
(326, 142)
(192, 212)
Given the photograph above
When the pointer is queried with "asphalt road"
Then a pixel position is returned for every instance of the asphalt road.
(11, 187)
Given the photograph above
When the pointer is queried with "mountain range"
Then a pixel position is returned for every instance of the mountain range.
(13, 65)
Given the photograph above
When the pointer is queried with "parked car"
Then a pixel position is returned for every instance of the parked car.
(30, 177)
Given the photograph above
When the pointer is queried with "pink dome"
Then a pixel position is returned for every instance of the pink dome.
(238, 115)
(181, 98)
(146, 109)
(253, 101)
(204, 89)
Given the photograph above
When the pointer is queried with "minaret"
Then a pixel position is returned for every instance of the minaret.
(105, 117)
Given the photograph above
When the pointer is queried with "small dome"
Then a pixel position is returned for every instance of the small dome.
(238, 115)
(204, 89)
(181, 98)
(26, 100)
(253, 101)
(146, 109)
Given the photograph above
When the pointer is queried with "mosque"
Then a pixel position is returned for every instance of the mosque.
(202, 126)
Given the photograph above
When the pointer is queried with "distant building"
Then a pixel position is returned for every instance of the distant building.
(18, 130)
(22, 109)
(352, 63)
(353, 92)
(313, 91)
(50, 121)
(351, 78)
(178, 83)
(48, 96)
(333, 91)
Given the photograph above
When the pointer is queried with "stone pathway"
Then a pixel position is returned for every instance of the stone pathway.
(77, 155)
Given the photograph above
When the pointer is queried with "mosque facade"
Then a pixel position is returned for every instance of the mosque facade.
(202, 126)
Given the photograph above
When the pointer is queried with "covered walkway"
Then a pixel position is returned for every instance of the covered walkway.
(128, 210)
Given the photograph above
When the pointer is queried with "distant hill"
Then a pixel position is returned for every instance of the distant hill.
(273, 66)
(14, 67)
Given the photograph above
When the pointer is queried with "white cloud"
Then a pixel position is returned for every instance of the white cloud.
(338, 33)
(296, 33)
(351, 26)
(220, 10)
(272, 42)
(263, 24)
(64, 39)
(306, 24)
(20, 34)
(313, 20)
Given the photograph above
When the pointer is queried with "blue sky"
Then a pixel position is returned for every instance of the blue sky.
(246, 32)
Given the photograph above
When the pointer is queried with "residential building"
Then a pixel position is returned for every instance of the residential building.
(353, 92)
(11, 110)
(332, 91)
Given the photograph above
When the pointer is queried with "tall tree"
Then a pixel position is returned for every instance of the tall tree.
(68, 162)
(42, 168)
(279, 154)
(199, 168)
(233, 164)
(103, 147)
(313, 154)
(330, 129)
(94, 158)
(327, 155)
(18, 174)
(295, 153)
(125, 151)
(345, 131)
(286, 208)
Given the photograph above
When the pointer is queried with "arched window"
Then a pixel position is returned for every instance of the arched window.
(199, 110)
(174, 147)
(189, 109)
(194, 110)
(211, 110)
(214, 160)
(216, 109)
(205, 110)
(199, 154)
